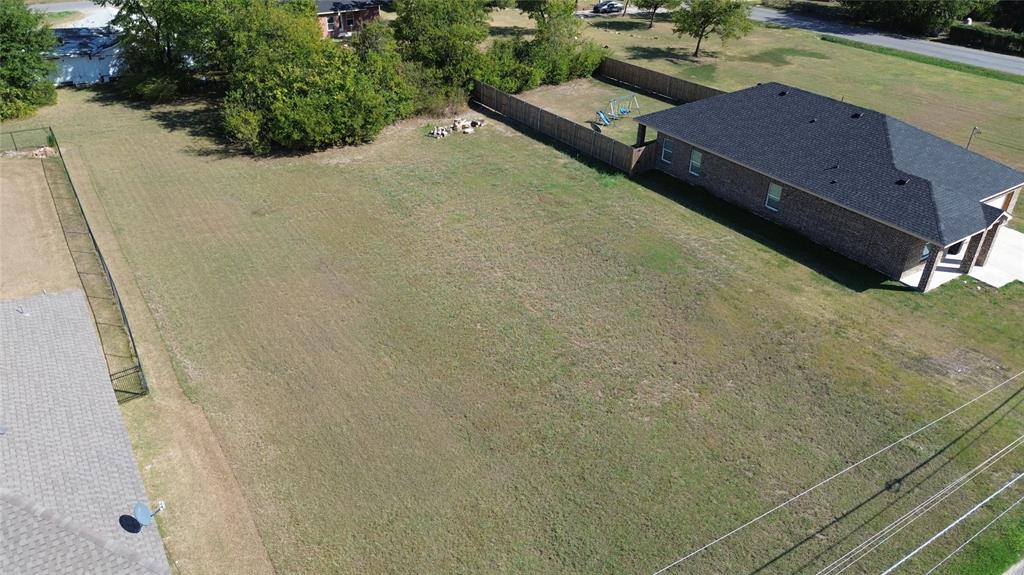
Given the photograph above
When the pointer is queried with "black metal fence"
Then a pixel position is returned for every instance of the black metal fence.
(123, 363)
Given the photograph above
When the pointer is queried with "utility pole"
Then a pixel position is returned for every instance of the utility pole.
(975, 130)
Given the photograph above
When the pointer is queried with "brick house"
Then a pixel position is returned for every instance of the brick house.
(340, 18)
(868, 186)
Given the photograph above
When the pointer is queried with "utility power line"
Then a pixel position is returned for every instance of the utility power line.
(829, 479)
(979, 532)
(854, 555)
(970, 512)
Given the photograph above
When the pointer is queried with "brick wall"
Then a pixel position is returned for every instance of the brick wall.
(857, 237)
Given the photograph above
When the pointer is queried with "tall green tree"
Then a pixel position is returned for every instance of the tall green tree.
(443, 35)
(727, 19)
(655, 5)
(24, 41)
(380, 62)
(290, 89)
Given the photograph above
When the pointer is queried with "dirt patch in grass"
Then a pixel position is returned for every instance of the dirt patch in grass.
(33, 254)
(579, 100)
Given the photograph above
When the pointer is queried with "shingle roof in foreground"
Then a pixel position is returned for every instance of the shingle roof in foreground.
(857, 158)
(67, 470)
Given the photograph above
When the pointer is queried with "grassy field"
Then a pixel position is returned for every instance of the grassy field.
(493, 357)
(580, 100)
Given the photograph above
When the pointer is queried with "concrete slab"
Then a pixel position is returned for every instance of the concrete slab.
(1006, 261)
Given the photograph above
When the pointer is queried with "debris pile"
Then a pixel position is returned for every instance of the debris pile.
(458, 125)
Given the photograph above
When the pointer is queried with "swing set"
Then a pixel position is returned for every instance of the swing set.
(618, 107)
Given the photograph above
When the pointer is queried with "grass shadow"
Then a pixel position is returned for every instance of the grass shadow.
(779, 57)
(672, 55)
(510, 31)
(791, 244)
(620, 24)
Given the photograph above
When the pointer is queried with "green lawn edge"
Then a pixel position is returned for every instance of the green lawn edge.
(966, 68)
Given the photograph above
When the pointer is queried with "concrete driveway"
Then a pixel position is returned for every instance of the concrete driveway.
(1006, 262)
(990, 60)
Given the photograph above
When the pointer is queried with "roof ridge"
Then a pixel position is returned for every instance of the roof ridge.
(934, 206)
(66, 523)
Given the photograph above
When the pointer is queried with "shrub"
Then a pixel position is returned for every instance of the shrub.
(507, 67)
(24, 70)
(987, 38)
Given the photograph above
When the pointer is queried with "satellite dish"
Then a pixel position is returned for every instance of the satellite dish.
(143, 515)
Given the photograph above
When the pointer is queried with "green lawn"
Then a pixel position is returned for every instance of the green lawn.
(490, 356)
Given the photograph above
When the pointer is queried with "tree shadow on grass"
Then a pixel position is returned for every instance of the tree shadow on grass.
(619, 24)
(510, 31)
(788, 243)
(672, 55)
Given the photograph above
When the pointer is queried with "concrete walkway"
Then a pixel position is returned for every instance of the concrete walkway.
(1006, 262)
(1017, 569)
(991, 60)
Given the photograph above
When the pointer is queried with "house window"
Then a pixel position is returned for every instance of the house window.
(774, 197)
(927, 251)
(330, 24)
(666, 151)
(695, 159)
(350, 23)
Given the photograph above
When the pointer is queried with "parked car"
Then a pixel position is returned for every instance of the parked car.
(608, 7)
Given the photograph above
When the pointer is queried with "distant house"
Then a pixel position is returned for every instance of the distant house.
(85, 56)
(862, 183)
(340, 18)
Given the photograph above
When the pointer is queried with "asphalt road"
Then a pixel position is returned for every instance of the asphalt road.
(991, 60)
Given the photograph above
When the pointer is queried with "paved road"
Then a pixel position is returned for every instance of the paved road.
(971, 56)
(94, 15)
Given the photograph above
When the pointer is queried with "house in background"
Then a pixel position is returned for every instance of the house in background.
(340, 18)
(893, 197)
(85, 56)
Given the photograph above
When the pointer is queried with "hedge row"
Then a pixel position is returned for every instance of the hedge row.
(987, 38)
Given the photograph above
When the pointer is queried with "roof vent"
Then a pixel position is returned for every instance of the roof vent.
(832, 182)
(856, 115)
(813, 120)
(783, 93)
(901, 182)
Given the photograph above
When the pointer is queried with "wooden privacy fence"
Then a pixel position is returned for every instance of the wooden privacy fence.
(622, 156)
(675, 89)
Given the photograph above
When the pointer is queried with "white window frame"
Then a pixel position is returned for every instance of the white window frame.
(330, 23)
(700, 161)
(667, 150)
(768, 197)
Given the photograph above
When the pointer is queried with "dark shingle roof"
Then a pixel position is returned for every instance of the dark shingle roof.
(345, 5)
(860, 159)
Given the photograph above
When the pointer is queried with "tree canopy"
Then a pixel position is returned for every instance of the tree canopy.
(24, 70)
(914, 16)
(655, 5)
(727, 19)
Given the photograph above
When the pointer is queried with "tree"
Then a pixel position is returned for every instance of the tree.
(290, 89)
(913, 16)
(726, 19)
(543, 10)
(24, 41)
(380, 62)
(654, 5)
(443, 36)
